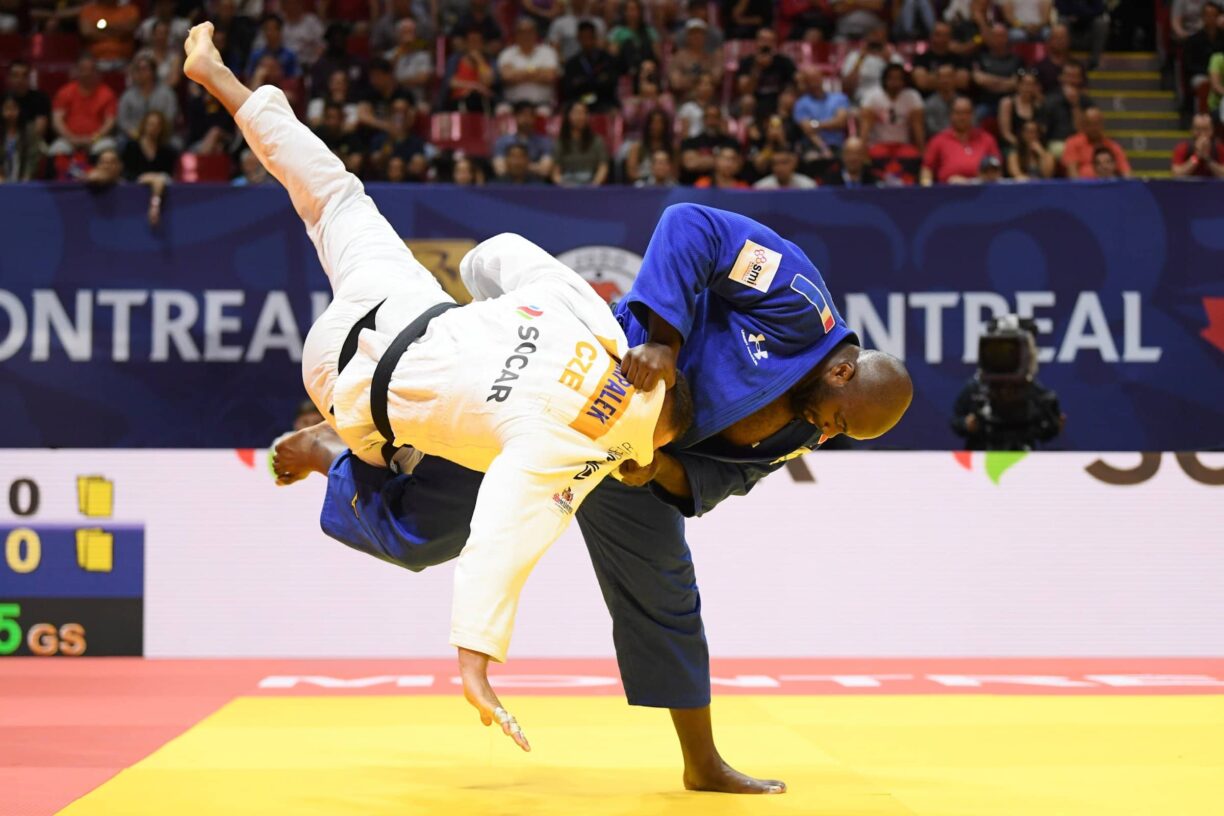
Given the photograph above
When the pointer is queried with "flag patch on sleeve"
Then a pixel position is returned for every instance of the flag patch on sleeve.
(756, 266)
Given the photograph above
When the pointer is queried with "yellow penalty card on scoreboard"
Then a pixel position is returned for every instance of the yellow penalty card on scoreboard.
(95, 496)
(95, 550)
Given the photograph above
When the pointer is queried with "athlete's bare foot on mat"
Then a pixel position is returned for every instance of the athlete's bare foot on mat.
(310, 450)
(722, 778)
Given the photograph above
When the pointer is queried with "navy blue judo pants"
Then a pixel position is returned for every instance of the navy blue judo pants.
(636, 543)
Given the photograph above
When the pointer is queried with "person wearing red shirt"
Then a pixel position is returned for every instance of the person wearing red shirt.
(110, 30)
(1202, 156)
(83, 112)
(954, 156)
(1080, 148)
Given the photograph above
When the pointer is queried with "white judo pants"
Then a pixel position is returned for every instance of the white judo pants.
(365, 261)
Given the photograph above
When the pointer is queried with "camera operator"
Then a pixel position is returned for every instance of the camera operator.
(1004, 407)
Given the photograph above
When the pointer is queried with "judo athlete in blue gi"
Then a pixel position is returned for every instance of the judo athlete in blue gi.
(774, 372)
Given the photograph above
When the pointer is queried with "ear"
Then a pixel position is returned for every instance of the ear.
(840, 374)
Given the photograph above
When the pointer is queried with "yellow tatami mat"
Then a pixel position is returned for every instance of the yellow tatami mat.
(936, 755)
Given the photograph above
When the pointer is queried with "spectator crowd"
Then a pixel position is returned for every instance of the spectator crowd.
(576, 93)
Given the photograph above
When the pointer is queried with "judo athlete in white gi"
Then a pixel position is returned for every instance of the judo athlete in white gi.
(522, 385)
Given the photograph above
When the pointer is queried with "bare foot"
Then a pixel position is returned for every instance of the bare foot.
(310, 450)
(722, 778)
(203, 58)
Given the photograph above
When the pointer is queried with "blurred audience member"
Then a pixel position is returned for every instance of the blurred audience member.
(1028, 19)
(144, 94)
(1185, 18)
(375, 108)
(1058, 54)
(1215, 75)
(1079, 154)
(210, 130)
(271, 31)
(581, 158)
(937, 55)
(338, 92)
(913, 19)
(109, 30)
(691, 115)
(693, 60)
(784, 165)
(412, 64)
(766, 138)
(541, 13)
(465, 173)
(268, 71)
(970, 21)
(516, 166)
(857, 17)
(336, 57)
(990, 170)
(21, 150)
(150, 160)
(727, 166)
(167, 56)
(1105, 165)
(1202, 156)
(634, 39)
(937, 110)
(303, 31)
(253, 173)
(333, 131)
(529, 68)
(806, 20)
(539, 147)
(1030, 159)
(479, 17)
(697, 152)
(164, 11)
(401, 141)
(854, 170)
(590, 75)
(107, 169)
(1022, 106)
(1200, 47)
(745, 18)
(83, 113)
(862, 69)
(385, 33)
(700, 10)
(563, 32)
(470, 87)
(1088, 21)
(662, 171)
(765, 73)
(823, 116)
(657, 136)
(646, 99)
(1064, 109)
(994, 72)
(35, 105)
(955, 155)
(892, 120)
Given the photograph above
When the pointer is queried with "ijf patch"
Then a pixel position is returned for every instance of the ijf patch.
(756, 266)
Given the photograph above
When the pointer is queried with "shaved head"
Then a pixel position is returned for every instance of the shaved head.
(857, 392)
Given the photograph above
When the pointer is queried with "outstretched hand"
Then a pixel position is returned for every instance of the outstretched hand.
(647, 364)
(473, 669)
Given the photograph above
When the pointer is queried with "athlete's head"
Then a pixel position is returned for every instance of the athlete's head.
(677, 413)
(856, 392)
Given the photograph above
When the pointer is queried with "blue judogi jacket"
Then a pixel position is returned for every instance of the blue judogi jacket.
(755, 316)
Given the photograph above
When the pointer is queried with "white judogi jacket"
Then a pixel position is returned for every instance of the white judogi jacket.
(521, 384)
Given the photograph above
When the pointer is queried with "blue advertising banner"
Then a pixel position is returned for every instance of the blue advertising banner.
(189, 335)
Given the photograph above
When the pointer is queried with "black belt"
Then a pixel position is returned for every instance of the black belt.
(381, 382)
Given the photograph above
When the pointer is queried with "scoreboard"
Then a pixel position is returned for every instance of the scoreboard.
(71, 583)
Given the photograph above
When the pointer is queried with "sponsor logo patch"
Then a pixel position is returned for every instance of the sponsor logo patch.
(592, 466)
(564, 501)
(756, 266)
(529, 312)
(754, 343)
(501, 388)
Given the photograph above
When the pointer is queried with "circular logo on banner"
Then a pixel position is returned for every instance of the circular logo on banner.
(610, 270)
